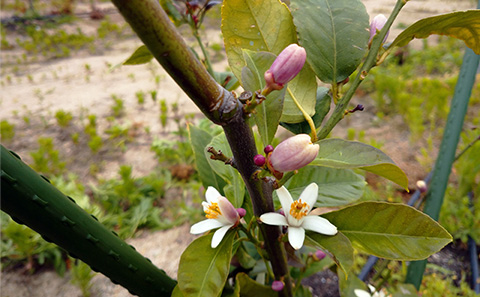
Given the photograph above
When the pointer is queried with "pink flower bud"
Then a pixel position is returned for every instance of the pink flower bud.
(294, 153)
(277, 285)
(259, 160)
(285, 67)
(422, 186)
(319, 255)
(268, 149)
(241, 212)
(377, 25)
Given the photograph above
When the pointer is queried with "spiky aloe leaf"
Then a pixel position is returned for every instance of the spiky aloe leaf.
(30, 199)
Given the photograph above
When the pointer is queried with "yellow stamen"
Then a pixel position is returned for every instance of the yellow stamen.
(213, 211)
(298, 209)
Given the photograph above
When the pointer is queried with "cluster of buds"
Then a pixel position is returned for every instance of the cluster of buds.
(290, 155)
(285, 67)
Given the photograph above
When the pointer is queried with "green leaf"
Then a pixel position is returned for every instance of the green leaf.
(391, 231)
(335, 186)
(304, 88)
(141, 56)
(227, 80)
(334, 33)
(235, 188)
(322, 107)
(464, 25)
(250, 288)
(267, 114)
(257, 26)
(203, 270)
(405, 290)
(302, 291)
(338, 247)
(176, 292)
(347, 285)
(339, 153)
(245, 25)
(199, 139)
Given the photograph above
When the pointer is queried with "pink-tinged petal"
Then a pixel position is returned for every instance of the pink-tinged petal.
(294, 153)
(218, 235)
(296, 236)
(288, 63)
(273, 218)
(309, 195)
(228, 211)
(319, 225)
(376, 25)
(205, 226)
(285, 199)
(211, 195)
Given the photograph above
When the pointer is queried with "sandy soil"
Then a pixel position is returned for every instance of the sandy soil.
(67, 84)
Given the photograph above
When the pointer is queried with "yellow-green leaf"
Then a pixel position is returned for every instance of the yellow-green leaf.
(338, 247)
(141, 56)
(256, 25)
(339, 153)
(391, 231)
(266, 25)
(203, 270)
(464, 25)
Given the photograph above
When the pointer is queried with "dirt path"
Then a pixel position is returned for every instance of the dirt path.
(40, 89)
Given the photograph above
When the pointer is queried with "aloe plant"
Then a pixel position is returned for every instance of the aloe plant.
(30, 199)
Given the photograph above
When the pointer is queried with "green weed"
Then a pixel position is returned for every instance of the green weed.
(63, 118)
(7, 130)
(47, 159)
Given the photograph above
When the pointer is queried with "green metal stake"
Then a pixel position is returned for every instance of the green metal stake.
(446, 155)
(31, 200)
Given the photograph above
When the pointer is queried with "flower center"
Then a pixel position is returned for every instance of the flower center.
(298, 209)
(213, 211)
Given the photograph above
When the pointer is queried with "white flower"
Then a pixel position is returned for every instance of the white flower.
(220, 213)
(363, 293)
(296, 216)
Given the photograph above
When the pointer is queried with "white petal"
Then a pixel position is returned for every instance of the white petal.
(204, 226)
(285, 199)
(309, 195)
(319, 225)
(296, 236)
(361, 293)
(273, 218)
(211, 195)
(219, 234)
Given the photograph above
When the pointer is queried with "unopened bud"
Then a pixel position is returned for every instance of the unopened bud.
(294, 153)
(268, 149)
(259, 160)
(422, 186)
(376, 25)
(277, 285)
(319, 255)
(241, 212)
(285, 67)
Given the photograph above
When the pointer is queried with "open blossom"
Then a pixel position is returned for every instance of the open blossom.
(285, 67)
(220, 213)
(296, 216)
(294, 153)
(363, 293)
(376, 25)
